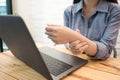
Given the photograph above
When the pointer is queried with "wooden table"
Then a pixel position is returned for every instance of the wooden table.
(12, 68)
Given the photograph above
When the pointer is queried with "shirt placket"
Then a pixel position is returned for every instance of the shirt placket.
(86, 25)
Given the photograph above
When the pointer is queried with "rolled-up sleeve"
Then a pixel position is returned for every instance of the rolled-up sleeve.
(108, 41)
(102, 51)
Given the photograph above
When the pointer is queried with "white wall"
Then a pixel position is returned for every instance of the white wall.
(23, 8)
(37, 13)
(47, 11)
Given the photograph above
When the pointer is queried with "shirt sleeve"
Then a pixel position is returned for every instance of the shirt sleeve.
(108, 41)
(67, 16)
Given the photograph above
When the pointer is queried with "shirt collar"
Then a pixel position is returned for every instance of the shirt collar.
(102, 6)
(78, 6)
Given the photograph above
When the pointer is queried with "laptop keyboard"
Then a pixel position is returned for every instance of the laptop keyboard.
(55, 66)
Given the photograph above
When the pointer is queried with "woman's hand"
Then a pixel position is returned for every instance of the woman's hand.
(78, 47)
(60, 34)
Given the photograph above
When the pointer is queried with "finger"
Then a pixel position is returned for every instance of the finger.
(52, 38)
(74, 51)
(82, 49)
(81, 44)
(50, 29)
(74, 43)
(52, 34)
(71, 46)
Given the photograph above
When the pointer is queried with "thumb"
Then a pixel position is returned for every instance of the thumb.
(77, 30)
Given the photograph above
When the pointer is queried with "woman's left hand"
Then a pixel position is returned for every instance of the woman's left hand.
(78, 47)
(60, 34)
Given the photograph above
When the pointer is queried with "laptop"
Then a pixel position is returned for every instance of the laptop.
(49, 62)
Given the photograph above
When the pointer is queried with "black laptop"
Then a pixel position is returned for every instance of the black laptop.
(49, 62)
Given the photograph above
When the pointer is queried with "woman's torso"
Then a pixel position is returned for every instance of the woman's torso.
(95, 27)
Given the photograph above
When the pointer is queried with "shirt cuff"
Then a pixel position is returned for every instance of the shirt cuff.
(102, 52)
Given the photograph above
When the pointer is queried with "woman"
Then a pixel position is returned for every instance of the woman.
(92, 27)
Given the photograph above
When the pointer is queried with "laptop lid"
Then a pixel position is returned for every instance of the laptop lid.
(17, 37)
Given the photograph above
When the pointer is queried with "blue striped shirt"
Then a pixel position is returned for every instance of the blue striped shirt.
(102, 27)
